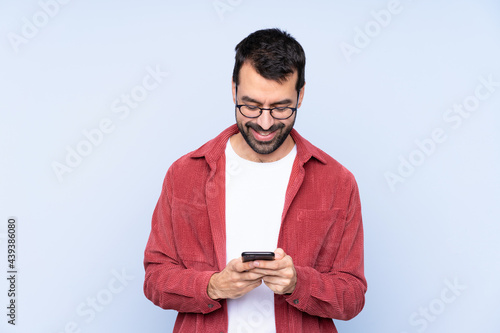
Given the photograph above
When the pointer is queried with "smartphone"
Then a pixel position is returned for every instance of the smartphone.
(249, 256)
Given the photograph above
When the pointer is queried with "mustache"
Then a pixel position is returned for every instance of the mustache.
(258, 128)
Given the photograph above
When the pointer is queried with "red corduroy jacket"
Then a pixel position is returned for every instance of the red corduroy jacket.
(321, 230)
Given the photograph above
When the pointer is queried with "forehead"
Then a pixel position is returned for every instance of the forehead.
(254, 85)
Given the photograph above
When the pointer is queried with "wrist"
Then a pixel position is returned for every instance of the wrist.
(211, 289)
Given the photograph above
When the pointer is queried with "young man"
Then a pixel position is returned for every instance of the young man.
(258, 186)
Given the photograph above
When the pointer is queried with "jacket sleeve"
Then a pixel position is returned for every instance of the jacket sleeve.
(168, 283)
(340, 292)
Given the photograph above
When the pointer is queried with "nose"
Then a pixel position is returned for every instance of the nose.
(265, 120)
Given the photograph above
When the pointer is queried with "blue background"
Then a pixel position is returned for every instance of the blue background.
(431, 236)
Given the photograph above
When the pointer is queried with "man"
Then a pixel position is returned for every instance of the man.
(258, 186)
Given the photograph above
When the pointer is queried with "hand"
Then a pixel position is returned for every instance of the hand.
(235, 280)
(279, 274)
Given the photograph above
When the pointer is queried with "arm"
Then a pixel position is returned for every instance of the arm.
(169, 284)
(340, 292)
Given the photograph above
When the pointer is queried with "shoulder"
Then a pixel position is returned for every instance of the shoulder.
(334, 172)
(188, 165)
(320, 163)
(308, 153)
(199, 162)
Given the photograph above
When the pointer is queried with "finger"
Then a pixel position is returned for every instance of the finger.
(239, 266)
(252, 286)
(274, 264)
(251, 275)
(275, 280)
(266, 271)
(279, 253)
(286, 273)
(239, 290)
(278, 286)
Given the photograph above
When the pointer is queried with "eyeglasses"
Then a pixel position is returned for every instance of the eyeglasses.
(279, 113)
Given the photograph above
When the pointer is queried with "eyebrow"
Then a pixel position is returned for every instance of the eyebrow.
(251, 100)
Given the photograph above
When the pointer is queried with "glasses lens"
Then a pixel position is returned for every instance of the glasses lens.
(254, 112)
(282, 113)
(250, 111)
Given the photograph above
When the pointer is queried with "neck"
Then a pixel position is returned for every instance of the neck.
(243, 150)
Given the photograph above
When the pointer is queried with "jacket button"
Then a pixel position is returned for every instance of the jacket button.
(210, 306)
(295, 301)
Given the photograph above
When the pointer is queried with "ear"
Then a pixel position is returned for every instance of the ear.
(301, 95)
(233, 87)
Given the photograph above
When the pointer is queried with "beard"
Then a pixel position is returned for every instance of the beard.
(265, 147)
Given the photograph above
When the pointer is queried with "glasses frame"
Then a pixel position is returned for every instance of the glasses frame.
(238, 106)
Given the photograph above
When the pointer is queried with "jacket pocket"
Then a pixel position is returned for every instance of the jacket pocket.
(192, 234)
(324, 230)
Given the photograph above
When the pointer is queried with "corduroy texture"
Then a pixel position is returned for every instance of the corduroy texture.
(321, 230)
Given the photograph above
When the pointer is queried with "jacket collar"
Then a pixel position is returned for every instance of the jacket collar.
(214, 149)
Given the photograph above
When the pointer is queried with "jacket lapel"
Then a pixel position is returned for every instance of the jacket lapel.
(216, 205)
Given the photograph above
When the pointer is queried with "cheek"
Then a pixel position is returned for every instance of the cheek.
(286, 123)
(242, 120)
(239, 117)
(290, 121)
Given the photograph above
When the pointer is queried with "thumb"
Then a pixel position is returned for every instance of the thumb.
(279, 253)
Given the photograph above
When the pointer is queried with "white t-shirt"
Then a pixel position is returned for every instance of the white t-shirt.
(255, 197)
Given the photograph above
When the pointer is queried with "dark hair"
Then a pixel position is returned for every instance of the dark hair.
(274, 54)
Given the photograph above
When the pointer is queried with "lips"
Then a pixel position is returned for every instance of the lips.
(263, 136)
